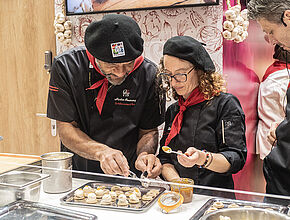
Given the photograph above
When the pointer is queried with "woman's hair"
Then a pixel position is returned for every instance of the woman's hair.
(271, 10)
(210, 84)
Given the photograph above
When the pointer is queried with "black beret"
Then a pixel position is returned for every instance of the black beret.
(114, 39)
(187, 48)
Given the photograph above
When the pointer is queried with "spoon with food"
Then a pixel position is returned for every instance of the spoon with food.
(168, 150)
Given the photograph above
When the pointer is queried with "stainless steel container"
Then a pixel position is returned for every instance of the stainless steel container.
(58, 165)
(39, 211)
(247, 214)
(16, 185)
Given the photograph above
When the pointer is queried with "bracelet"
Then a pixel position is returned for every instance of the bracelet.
(206, 159)
(209, 163)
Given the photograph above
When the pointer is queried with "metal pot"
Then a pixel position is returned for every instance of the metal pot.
(247, 214)
(17, 185)
(58, 165)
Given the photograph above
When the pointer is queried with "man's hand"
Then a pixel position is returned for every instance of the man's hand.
(271, 137)
(113, 161)
(149, 163)
(191, 157)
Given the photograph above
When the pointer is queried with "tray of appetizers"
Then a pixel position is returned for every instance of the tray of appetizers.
(113, 196)
(217, 204)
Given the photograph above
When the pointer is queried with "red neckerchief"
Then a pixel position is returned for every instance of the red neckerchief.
(195, 97)
(276, 66)
(104, 82)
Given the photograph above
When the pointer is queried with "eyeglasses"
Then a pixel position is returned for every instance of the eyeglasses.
(179, 77)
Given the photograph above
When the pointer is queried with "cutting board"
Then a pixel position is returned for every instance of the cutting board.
(12, 161)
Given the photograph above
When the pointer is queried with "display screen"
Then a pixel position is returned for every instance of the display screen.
(101, 6)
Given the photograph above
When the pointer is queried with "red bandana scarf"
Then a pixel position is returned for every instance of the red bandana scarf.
(195, 97)
(104, 82)
(276, 66)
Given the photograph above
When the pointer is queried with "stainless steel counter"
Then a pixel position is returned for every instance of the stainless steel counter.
(154, 212)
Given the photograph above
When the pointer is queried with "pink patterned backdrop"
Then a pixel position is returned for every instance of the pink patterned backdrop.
(202, 23)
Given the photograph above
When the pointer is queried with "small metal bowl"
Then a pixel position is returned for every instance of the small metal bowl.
(247, 214)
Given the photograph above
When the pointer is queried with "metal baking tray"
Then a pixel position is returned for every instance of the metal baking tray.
(139, 207)
(241, 203)
(26, 210)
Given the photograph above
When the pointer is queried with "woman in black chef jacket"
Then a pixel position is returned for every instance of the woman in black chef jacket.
(205, 124)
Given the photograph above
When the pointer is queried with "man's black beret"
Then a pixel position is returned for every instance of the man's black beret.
(187, 48)
(114, 39)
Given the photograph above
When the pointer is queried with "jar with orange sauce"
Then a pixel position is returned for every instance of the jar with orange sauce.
(185, 191)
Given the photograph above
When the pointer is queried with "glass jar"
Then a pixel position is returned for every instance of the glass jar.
(169, 201)
(185, 191)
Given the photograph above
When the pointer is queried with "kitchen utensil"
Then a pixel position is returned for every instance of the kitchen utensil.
(16, 185)
(132, 174)
(142, 205)
(169, 201)
(58, 165)
(145, 182)
(33, 210)
(185, 191)
(168, 150)
(239, 203)
(246, 213)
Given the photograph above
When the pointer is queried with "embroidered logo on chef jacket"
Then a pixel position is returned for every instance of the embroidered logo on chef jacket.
(125, 101)
(126, 93)
(118, 49)
(228, 124)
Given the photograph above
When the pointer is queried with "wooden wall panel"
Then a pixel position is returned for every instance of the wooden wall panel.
(26, 31)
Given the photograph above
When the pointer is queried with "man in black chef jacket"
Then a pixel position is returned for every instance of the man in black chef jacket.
(104, 100)
(277, 28)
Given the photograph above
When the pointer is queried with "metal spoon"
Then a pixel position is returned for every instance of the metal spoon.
(132, 174)
(145, 182)
(168, 150)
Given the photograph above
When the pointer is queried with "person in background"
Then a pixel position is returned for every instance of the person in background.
(272, 99)
(205, 124)
(104, 100)
(277, 28)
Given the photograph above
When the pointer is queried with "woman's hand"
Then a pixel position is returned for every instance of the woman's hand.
(191, 157)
